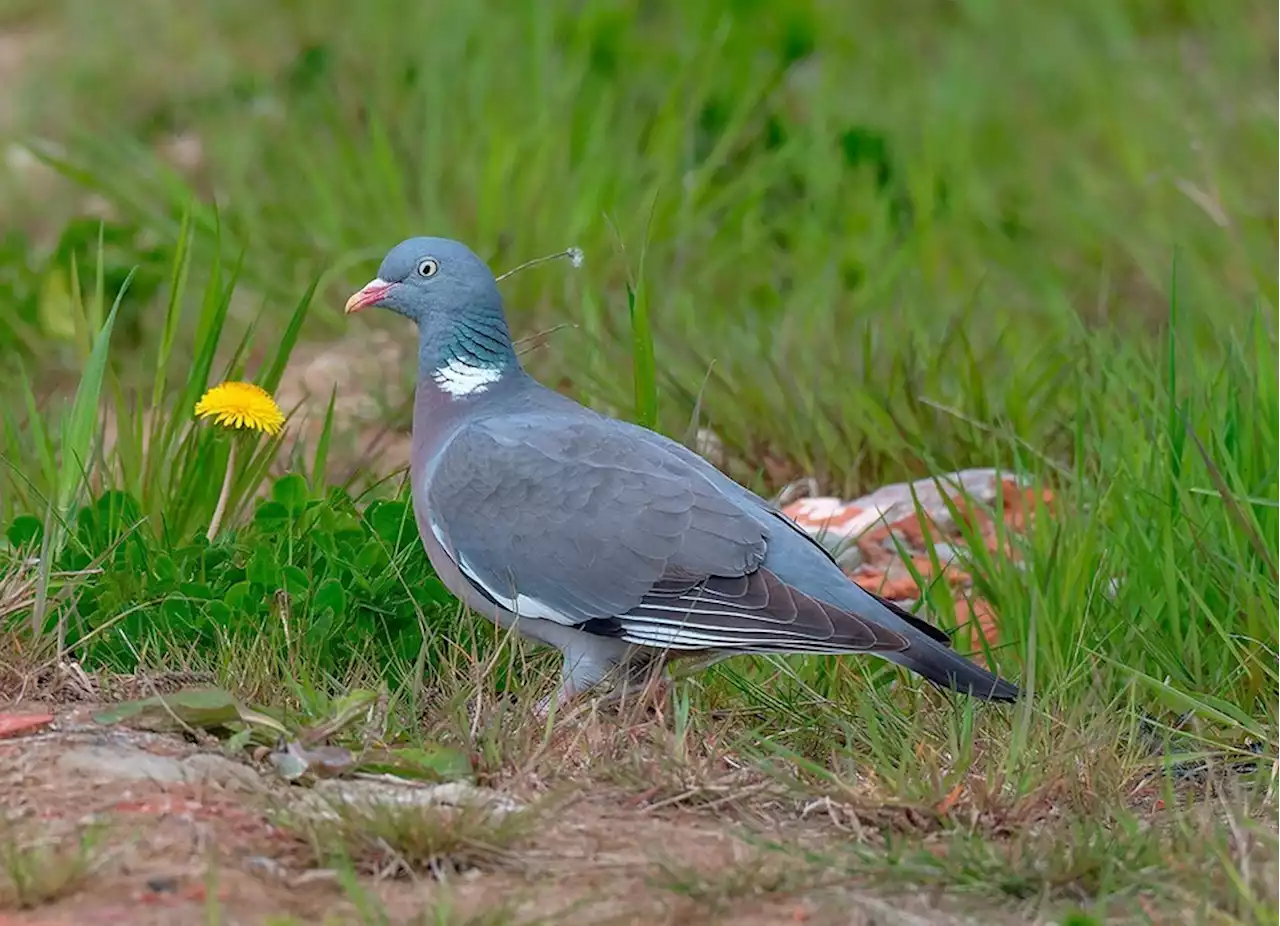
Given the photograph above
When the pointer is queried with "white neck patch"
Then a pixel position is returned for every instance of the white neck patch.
(462, 379)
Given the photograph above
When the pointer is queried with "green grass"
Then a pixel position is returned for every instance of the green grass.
(856, 247)
(39, 868)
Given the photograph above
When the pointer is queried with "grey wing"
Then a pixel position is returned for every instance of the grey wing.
(576, 520)
(568, 519)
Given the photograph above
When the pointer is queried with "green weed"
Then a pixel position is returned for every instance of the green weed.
(36, 870)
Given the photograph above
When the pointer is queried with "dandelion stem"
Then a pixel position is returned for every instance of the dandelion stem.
(221, 509)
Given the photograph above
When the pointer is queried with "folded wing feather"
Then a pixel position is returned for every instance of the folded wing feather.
(572, 519)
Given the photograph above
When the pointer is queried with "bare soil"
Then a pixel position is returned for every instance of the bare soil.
(207, 850)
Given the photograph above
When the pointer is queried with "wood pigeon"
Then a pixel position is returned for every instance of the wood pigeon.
(616, 545)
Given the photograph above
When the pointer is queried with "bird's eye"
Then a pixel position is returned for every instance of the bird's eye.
(427, 267)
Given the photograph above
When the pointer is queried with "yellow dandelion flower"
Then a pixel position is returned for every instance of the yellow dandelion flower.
(241, 405)
(237, 405)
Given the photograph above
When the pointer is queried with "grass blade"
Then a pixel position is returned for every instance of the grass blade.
(642, 358)
(320, 465)
(78, 428)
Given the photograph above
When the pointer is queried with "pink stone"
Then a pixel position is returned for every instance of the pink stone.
(831, 516)
(840, 520)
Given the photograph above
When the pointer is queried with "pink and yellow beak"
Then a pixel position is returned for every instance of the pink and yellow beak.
(369, 294)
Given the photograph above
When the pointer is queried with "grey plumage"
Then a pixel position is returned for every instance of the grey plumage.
(602, 538)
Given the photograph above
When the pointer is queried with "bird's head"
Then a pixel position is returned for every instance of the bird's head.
(432, 281)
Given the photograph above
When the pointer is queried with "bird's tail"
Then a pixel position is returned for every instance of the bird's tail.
(948, 669)
(930, 654)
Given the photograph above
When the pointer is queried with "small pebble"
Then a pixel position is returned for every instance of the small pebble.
(314, 876)
(265, 867)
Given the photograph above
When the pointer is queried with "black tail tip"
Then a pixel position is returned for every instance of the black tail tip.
(980, 684)
(946, 669)
(999, 690)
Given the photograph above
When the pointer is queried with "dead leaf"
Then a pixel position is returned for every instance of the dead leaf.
(197, 708)
(429, 763)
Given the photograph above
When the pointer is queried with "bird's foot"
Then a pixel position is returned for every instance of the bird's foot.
(637, 700)
(565, 701)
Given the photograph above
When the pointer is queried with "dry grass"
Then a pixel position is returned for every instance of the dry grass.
(411, 840)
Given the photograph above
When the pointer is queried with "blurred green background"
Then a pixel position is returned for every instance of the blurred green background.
(843, 208)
